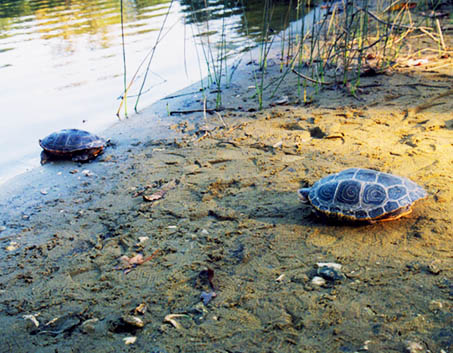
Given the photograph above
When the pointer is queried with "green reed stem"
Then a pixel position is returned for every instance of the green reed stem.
(152, 55)
(124, 62)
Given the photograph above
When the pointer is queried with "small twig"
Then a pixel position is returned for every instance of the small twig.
(435, 68)
(429, 34)
(429, 103)
(210, 111)
(418, 84)
(221, 119)
(312, 80)
(150, 257)
(387, 23)
(206, 134)
(182, 94)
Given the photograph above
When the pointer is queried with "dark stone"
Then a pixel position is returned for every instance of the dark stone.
(329, 274)
(317, 133)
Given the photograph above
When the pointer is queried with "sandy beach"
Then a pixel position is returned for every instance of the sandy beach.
(187, 234)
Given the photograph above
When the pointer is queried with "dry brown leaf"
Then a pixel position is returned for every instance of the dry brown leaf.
(161, 192)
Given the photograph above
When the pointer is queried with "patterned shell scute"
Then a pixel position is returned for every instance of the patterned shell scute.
(366, 194)
(71, 140)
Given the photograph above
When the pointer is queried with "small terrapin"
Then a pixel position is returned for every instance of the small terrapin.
(358, 194)
(78, 145)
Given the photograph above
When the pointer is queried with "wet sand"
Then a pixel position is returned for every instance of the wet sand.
(210, 203)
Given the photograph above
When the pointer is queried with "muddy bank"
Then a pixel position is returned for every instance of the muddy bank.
(210, 203)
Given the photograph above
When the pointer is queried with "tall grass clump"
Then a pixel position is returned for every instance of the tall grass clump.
(333, 43)
(337, 42)
(340, 42)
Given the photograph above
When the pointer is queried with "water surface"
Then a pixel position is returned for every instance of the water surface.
(61, 62)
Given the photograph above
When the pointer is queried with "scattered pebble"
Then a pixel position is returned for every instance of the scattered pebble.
(282, 100)
(365, 345)
(329, 274)
(2, 228)
(318, 281)
(414, 347)
(87, 173)
(142, 240)
(316, 132)
(14, 245)
(141, 309)
(74, 171)
(433, 268)
(133, 321)
(44, 192)
(278, 144)
(130, 340)
(280, 278)
(435, 305)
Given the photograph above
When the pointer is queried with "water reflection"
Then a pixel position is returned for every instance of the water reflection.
(69, 19)
(61, 61)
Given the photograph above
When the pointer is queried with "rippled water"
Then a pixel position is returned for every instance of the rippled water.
(61, 62)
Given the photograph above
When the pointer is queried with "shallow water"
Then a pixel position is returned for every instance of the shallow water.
(61, 63)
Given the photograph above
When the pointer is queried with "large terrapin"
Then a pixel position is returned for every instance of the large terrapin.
(363, 195)
(78, 145)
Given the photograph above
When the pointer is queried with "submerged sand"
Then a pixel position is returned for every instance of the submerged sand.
(212, 199)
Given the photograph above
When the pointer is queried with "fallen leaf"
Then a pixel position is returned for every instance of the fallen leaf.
(161, 192)
(403, 6)
(207, 276)
(129, 263)
(207, 297)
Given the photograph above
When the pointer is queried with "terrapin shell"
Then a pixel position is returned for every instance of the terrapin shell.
(73, 143)
(363, 195)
